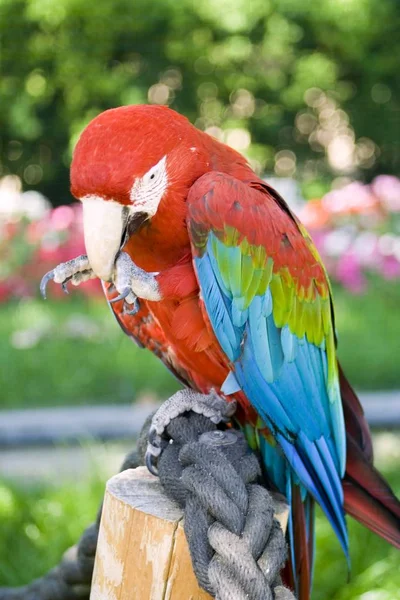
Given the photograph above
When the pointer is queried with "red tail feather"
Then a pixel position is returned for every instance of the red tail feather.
(367, 496)
(301, 546)
(356, 423)
(298, 576)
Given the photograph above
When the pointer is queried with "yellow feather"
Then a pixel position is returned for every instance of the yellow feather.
(245, 247)
(317, 321)
(266, 277)
(331, 356)
(259, 256)
(246, 273)
(308, 321)
(300, 323)
(253, 287)
(326, 315)
(278, 300)
(231, 237)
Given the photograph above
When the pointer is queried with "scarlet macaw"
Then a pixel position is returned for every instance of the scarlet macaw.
(204, 264)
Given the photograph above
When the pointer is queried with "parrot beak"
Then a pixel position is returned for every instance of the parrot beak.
(105, 227)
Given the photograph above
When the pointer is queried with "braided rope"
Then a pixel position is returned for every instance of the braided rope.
(236, 545)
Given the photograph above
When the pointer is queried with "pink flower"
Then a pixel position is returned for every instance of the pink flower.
(314, 215)
(349, 273)
(390, 267)
(387, 188)
(353, 198)
(62, 217)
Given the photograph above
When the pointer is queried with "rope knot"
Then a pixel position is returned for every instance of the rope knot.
(236, 545)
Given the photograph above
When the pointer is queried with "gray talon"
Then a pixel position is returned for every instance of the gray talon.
(121, 296)
(149, 459)
(76, 270)
(153, 451)
(140, 283)
(135, 309)
(45, 280)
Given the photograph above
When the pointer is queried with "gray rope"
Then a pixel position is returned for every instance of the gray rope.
(237, 547)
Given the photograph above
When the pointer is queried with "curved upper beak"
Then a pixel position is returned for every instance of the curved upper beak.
(104, 225)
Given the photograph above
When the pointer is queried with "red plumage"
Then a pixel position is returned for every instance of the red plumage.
(367, 496)
(120, 146)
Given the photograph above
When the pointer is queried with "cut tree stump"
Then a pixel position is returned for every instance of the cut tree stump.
(142, 553)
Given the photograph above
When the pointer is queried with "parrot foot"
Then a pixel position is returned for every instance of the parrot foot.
(132, 282)
(210, 405)
(75, 271)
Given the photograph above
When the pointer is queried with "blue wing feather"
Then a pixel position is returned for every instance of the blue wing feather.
(218, 305)
(285, 378)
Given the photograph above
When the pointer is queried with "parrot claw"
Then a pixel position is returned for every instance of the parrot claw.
(132, 282)
(75, 271)
(121, 296)
(210, 405)
(134, 310)
(149, 459)
(64, 285)
(45, 280)
(155, 446)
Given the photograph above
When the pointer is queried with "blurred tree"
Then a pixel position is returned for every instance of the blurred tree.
(301, 87)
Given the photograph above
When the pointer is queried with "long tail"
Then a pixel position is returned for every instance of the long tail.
(367, 496)
(297, 573)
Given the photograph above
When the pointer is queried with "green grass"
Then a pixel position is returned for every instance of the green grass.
(47, 360)
(374, 563)
(64, 367)
(38, 524)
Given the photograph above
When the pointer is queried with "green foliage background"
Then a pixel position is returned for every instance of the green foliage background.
(223, 63)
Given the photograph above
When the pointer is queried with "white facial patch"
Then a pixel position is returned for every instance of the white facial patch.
(146, 192)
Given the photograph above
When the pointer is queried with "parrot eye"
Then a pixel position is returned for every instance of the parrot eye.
(156, 173)
(147, 191)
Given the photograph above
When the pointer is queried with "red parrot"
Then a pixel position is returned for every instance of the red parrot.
(204, 263)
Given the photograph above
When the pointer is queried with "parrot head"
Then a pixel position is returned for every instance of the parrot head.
(131, 165)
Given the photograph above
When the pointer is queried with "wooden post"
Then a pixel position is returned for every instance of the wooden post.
(142, 553)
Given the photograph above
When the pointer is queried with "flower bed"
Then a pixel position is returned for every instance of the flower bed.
(356, 229)
(34, 238)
